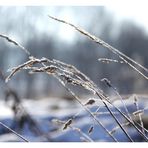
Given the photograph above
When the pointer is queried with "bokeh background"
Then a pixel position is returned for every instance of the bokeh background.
(124, 28)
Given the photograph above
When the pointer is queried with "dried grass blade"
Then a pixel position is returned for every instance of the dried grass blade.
(12, 131)
(15, 43)
(99, 41)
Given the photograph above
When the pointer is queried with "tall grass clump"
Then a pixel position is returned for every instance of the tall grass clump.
(68, 75)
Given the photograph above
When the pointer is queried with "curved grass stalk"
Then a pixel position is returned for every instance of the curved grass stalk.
(12, 131)
(99, 41)
(15, 43)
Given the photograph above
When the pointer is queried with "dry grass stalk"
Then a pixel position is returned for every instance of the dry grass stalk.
(108, 83)
(2, 77)
(20, 112)
(68, 74)
(12, 131)
(134, 124)
(99, 41)
(117, 127)
(15, 43)
(105, 113)
(139, 113)
(122, 56)
(84, 107)
(86, 137)
(105, 60)
(63, 77)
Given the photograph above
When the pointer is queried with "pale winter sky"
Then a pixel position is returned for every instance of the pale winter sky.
(134, 12)
(137, 12)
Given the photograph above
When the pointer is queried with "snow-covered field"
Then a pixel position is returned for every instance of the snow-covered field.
(44, 111)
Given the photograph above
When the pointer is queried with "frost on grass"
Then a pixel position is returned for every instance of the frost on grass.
(69, 75)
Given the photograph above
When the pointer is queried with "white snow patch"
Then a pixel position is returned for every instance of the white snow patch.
(5, 110)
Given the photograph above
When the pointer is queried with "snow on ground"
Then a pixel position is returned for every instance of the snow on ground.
(43, 112)
(5, 110)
